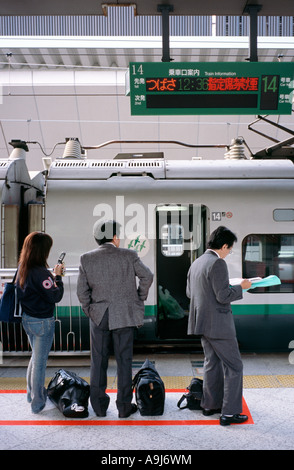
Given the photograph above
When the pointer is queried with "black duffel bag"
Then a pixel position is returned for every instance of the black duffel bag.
(149, 390)
(194, 395)
(70, 393)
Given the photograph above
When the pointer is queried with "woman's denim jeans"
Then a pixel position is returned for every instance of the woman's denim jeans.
(40, 332)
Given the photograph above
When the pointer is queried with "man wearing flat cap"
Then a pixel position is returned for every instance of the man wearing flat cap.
(108, 292)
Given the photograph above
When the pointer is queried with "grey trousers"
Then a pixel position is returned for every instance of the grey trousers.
(101, 340)
(223, 375)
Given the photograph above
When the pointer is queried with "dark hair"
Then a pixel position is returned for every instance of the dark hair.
(221, 236)
(105, 231)
(35, 251)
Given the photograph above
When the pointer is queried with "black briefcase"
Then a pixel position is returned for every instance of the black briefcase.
(69, 393)
(194, 395)
(149, 390)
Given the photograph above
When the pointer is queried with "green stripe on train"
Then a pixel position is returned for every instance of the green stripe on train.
(263, 309)
(63, 311)
(151, 310)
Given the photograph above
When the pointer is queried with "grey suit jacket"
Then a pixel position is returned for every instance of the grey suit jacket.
(211, 296)
(108, 280)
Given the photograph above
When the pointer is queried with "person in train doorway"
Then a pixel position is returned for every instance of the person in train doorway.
(38, 291)
(211, 317)
(109, 295)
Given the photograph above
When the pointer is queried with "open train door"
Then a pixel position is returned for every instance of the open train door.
(181, 236)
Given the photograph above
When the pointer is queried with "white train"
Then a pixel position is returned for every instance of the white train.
(167, 209)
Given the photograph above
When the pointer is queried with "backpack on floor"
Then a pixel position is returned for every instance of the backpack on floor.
(69, 393)
(194, 395)
(149, 390)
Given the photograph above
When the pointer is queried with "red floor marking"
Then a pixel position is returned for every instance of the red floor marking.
(119, 422)
(79, 422)
(169, 390)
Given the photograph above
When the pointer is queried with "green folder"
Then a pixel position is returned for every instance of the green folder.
(266, 282)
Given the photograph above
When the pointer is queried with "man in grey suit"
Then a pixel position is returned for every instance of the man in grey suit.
(211, 317)
(109, 295)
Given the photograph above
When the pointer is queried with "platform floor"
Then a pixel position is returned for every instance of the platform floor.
(268, 400)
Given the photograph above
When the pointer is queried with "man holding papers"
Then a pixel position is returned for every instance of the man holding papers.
(211, 317)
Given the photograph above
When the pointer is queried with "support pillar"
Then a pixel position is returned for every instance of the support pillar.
(165, 11)
(253, 13)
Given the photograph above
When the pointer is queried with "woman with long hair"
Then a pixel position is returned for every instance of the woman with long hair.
(38, 291)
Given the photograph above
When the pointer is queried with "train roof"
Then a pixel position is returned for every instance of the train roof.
(86, 169)
(14, 171)
(4, 165)
(14, 168)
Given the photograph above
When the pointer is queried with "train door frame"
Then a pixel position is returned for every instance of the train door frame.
(172, 303)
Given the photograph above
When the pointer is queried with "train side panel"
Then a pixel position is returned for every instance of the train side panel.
(245, 202)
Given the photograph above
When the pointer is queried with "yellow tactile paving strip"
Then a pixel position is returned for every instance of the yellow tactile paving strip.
(171, 382)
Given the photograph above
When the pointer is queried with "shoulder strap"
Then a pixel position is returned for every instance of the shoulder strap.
(180, 401)
(14, 277)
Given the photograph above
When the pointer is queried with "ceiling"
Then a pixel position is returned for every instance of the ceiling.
(97, 53)
(143, 7)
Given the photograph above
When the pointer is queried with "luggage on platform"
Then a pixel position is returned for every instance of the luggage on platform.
(194, 395)
(70, 394)
(149, 390)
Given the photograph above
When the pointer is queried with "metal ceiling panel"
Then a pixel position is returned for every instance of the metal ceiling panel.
(96, 53)
(100, 58)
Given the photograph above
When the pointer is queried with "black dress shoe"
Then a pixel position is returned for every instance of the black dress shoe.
(227, 420)
(207, 412)
(129, 413)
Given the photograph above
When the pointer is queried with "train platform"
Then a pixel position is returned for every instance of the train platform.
(268, 399)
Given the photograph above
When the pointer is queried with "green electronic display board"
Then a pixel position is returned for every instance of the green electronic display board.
(182, 88)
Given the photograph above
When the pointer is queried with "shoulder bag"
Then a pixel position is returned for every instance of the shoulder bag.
(10, 307)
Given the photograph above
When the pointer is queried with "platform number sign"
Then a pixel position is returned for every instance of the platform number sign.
(176, 88)
(218, 216)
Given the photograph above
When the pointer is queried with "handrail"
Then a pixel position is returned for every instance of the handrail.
(68, 335)
(9, 272)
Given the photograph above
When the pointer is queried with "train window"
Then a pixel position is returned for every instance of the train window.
(264, 255)
(36, 217)
(284, 215)
(9, 230)
(172, 239)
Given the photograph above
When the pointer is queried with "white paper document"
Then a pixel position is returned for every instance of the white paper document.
(237, 280)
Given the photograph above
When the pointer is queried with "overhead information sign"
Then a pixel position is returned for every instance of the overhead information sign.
(181, 88)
